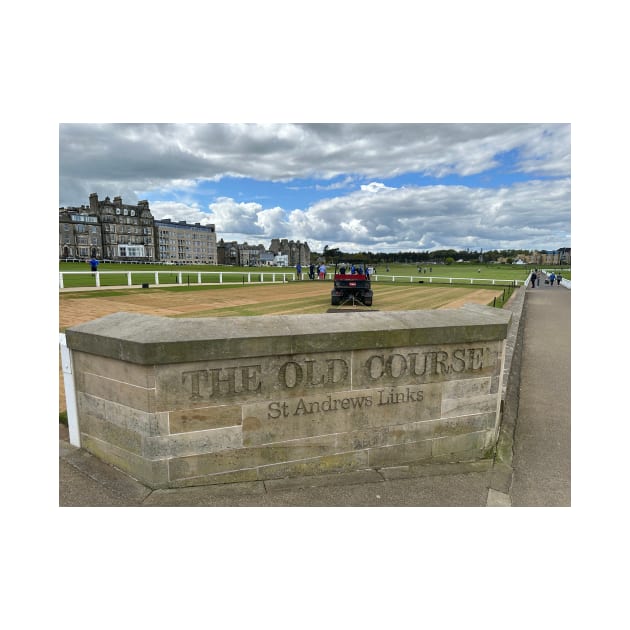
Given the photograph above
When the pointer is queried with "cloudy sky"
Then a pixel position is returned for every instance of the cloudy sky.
(360, 187)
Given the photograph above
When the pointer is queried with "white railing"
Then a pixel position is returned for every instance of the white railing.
(70, 391)
(162, 278)
(194, 277)
(439, 280)
(564, 282)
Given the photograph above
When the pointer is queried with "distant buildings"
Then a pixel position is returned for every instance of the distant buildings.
(112, 230)
(108, 230)
(185, 243)
(281, 253)
(561, 256)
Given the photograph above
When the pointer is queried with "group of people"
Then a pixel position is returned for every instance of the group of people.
(551, 278)
(319, 271)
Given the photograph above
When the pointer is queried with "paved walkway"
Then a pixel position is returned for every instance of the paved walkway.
(532, 467)
(542, 440)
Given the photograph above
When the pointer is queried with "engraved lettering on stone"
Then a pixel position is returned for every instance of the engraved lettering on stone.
(433, 363)
(382, 397)
(204, 384)
(333, 371)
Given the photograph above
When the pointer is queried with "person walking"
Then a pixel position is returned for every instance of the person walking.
(298, 268)
(533, 279)
(558, 279)
(93, 265)
(552, 277)
(322, 272)
(311, 271)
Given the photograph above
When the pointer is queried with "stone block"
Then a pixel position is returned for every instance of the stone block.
(149, 424)
(399, 454)
(461, 424)
(127, 394)
(139, 375)
(237, 459)
(193, 443)
(113, 434)
(153, 473)
(471, 405)
(459, 443)
(467, 387)
(340, 462)
(199, 419)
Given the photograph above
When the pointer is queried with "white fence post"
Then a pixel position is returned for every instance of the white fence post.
(70, 392)
(60, 280)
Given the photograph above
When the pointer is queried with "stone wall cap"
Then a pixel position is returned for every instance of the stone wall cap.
(148, 339)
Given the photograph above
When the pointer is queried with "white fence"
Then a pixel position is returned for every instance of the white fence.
(564, 282)
(181, 277)
(162, 278)
(443, 280)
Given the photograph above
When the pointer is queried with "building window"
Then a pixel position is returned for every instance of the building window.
(131, 251)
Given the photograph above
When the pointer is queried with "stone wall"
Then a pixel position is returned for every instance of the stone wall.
(181, 402)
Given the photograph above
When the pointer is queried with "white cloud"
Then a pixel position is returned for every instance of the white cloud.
(177, 160)
(374, 187)
(430, 217)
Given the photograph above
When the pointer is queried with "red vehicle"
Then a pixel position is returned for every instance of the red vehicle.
(352, 284)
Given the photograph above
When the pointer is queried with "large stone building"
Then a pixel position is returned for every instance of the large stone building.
(116, 231)
(110, 230)
(239, 254)
(120, 232)
(281, 252)
(126, 230)
(79, 234)
(185, 243)
(296, 251)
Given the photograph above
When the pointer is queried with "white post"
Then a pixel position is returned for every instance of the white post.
(71, 395)
(220, 277)
(179, 278)
(98, 278)
(60, 280)
(129, 278)
(199, 277)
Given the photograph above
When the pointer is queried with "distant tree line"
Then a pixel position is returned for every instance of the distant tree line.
(436, 256)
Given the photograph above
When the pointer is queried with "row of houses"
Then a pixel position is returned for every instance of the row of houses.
(109, 229)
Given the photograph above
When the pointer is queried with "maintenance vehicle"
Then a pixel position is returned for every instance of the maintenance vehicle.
(352, 285)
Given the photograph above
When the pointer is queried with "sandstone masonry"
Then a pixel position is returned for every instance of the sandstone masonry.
(182, 402)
